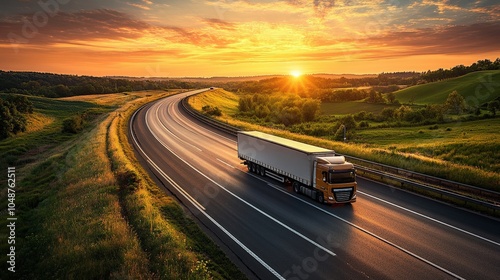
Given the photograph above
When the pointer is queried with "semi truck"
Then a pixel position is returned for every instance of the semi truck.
(314, 171)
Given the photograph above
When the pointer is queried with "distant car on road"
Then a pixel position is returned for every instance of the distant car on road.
(211, 88)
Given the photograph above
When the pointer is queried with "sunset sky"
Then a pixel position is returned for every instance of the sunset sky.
(240, 38)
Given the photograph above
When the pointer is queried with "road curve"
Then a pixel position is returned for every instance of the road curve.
(275, 233)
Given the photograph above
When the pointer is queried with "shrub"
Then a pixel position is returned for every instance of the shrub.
(434, 127)
(73, 124)
(364, 124)
(211, 111)
(128, 180)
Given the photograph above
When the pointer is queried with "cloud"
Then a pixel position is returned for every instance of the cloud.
(458, 39)
(219, 24)
(192, 37)
(142, 4)
(322, 7)
(81, 26)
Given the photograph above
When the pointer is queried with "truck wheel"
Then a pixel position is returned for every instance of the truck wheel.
(296, 186)
(253, 167)
(262, 170)
(321, 198)
(249, 165)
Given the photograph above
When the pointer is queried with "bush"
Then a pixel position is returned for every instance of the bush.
(12, 115)
(211, 111)
(73, 124)
(364, 124)
(128, 180)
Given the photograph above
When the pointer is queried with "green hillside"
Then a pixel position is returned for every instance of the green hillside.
(477, 88)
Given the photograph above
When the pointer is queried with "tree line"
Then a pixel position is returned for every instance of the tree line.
(57, 85)
(313, 86)
(460, 70)
(286, 109)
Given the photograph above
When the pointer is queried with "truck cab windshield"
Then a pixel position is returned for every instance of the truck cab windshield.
(344, 176)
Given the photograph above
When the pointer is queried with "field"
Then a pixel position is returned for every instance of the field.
(87, 210)
(224, 100)
(477, 88)
(461, 151)
(345, 108)
(472, 143)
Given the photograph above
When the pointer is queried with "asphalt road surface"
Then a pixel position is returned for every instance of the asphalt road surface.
(271, 232)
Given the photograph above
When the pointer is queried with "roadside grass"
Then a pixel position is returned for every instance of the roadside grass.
(409, 151)
(224, 100)
(78, 218)
(477, 88)
(178, 247)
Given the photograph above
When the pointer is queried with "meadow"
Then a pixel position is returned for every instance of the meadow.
(86, 208)
(463, 151)
(477, 88)
(344, 108)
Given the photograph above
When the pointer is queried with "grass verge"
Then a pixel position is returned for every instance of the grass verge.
(86, 211)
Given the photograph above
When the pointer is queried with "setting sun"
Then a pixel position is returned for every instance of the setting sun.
(296, 73)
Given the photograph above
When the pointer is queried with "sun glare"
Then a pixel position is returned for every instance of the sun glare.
(296, 73)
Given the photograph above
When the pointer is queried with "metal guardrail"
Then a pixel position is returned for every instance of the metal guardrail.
(405, 179)
(211, 122)
(488, 195)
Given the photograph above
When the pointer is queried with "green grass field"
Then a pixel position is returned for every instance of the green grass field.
(226, 101)
(472, 143)
(460, 151)
(86, 209)
(477, 88)
(352, 107)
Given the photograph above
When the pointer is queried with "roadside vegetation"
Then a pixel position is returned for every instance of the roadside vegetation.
(452, 137)
(85, 207)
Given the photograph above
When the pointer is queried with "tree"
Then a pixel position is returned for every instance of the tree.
(391, 97)
(388, 113)
(310, 109)
(349, 122)
(493, 106)
(290, 116)
(12, 119)
(375, 97)
(455, 103)
(5, 120)
(245, 103)
(402, 111)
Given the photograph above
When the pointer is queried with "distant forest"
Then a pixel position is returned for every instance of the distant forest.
(312, 86)
(56, 85)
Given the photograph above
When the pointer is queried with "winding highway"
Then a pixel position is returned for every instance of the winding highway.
(272, 233)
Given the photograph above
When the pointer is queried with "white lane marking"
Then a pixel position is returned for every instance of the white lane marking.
(431, 219)
(176, 186)
(168, 130)
(239, 198)
(203, 211)
(225, 163)
(361, 229)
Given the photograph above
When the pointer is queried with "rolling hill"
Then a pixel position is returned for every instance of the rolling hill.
(477, 88)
